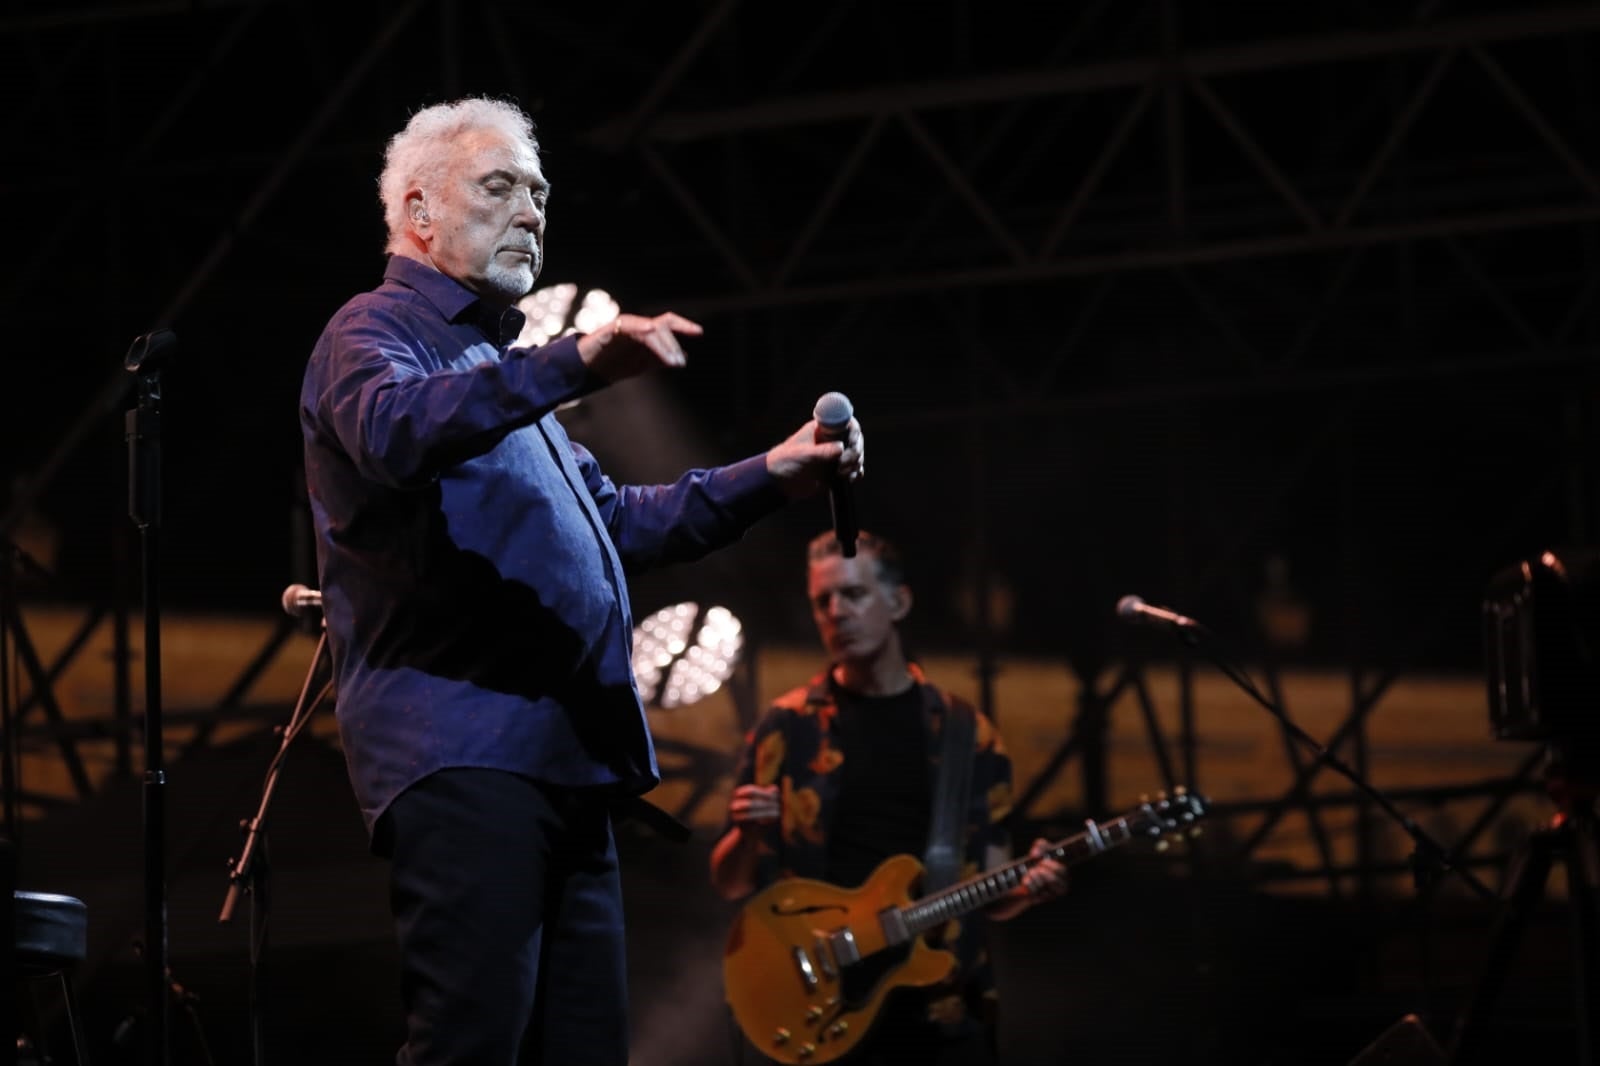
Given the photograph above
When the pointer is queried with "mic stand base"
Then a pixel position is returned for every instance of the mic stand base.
(1570, 838)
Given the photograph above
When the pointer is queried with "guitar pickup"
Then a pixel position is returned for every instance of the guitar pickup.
(893, 922)
(824, 953)
(845, 950)
(802, 963)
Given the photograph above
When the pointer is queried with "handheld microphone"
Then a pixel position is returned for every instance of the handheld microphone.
(833, 413)
(301, 602)
(1134, 609)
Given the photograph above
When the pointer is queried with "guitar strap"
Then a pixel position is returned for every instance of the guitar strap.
(942, 863)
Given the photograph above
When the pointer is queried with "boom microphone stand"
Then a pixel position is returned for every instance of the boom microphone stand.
(1192, 633)
(146, 358)
(1428, 859)
(248, 873)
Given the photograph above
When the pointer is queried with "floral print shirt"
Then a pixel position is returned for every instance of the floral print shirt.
(794, 746)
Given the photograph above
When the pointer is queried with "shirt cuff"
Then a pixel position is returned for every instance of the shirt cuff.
(750, 489)
(557, 371)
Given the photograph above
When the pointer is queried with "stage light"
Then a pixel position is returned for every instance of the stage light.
(556, 310)
(682, 653)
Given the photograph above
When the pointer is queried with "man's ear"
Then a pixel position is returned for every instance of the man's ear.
(899, 602)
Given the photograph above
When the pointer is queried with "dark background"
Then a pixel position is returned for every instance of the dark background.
(1215, 303)
(1132, 297)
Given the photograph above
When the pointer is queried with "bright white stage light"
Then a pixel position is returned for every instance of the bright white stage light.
(556, 310)
(682, 654)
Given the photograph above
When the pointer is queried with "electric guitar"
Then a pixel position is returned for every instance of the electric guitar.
(808, 965)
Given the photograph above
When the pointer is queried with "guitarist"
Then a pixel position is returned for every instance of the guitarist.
(843, 772)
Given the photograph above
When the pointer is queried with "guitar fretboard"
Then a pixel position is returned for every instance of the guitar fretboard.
(934, 910)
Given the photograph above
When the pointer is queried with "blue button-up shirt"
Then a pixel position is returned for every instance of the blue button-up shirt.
(472, 557)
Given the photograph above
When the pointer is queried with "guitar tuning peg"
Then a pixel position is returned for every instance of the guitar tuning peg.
(1144, 797)
(1163, 844)
(1195, 830)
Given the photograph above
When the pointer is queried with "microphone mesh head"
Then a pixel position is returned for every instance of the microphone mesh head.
(1129, 606)
(833, 410)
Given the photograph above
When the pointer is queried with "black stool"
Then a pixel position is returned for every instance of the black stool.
(52, 937)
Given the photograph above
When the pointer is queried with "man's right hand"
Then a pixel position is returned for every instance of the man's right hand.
(632, 344)
(735, 856)
(754, 805)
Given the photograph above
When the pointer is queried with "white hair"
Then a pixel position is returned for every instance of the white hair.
(418, 155)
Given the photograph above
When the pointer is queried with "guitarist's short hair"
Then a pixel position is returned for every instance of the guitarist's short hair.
(891, 568)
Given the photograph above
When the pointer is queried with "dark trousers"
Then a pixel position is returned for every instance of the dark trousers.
(508, 908)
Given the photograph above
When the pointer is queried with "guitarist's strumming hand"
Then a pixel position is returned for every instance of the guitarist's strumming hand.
(1046, 880)
(733, 859)
(754, 805)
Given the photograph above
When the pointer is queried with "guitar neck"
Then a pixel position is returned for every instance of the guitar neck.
(934, 910)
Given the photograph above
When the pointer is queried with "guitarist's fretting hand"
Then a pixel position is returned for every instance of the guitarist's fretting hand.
(1046, 880)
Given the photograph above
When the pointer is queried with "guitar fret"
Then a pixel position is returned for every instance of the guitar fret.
(958, 900)
(1097, 837)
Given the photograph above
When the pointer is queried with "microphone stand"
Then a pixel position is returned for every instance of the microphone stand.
(1427, 857)
(146, 358)
(10, 747)
(1426, 853)
(248, 873)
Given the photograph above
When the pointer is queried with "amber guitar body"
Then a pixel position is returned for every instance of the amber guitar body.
(808, 965)
(780, 1010)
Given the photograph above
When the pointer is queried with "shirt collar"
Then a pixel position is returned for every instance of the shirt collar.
(455, 301)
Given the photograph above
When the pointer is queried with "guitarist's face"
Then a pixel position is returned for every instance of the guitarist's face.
(855, 610)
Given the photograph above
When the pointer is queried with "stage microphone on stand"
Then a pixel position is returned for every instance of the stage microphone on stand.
(833, 413)
(1133, 609)
(301, 603)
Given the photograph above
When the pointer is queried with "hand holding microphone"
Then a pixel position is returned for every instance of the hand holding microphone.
(835, 418)
(828, 450)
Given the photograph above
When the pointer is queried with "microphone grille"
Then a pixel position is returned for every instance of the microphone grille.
(1129, 606)
(833, 410)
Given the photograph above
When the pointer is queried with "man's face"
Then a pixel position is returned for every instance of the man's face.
(854, 610)
(485, 225)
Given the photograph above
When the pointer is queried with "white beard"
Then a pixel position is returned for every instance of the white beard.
(514, 282)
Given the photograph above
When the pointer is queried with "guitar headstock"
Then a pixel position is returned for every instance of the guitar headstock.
(1166, 817)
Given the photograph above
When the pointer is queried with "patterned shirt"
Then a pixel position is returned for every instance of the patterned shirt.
(794, 746)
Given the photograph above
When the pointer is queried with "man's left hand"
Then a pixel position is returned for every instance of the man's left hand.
(1048, 878)
(1044, 880)
(802, 464)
